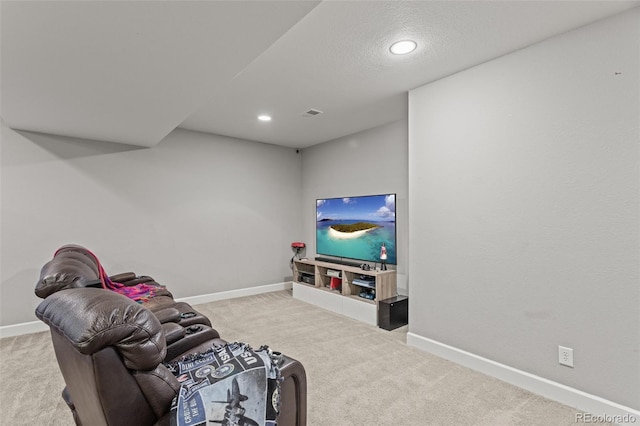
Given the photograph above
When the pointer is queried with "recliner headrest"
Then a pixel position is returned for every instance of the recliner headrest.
(72, 266)
(92, 319)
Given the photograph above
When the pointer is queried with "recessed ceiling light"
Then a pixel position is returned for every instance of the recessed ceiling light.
(264, 117)
(403, 47)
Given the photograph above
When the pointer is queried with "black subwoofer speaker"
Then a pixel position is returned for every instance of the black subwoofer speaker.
(393, 312)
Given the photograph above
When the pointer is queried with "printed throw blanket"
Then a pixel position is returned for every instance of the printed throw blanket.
(140, 292)
(228, 385)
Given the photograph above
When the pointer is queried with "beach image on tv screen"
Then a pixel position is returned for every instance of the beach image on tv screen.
(357, 227)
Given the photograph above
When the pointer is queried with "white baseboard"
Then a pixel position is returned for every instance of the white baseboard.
(37, 326)
(23, 328)
(232, 294)
(599, 408)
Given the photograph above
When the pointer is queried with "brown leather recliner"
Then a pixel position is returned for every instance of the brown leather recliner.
(74, 266)
(111, 349)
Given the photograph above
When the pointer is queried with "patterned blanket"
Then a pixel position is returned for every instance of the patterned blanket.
(229, 385)
(139, 292)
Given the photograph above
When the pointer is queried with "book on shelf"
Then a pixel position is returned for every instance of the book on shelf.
(364, 282)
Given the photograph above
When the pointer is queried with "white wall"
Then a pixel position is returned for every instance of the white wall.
(524, 209)
(366, 163)
(199, 213)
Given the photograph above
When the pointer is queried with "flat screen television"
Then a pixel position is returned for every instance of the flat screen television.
(357, 227)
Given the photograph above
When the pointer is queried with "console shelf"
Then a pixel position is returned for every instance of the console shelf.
(340, 288)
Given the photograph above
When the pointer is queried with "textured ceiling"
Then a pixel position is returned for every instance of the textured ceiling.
(131, 72)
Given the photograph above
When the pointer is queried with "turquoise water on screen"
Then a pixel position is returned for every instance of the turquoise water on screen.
(365, 247)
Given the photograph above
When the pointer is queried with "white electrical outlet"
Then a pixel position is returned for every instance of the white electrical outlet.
(565, 356)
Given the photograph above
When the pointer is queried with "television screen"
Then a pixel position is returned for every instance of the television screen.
(357, 227)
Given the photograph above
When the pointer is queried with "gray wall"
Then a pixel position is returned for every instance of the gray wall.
(524, 209)
(370, 162)
(200, 213)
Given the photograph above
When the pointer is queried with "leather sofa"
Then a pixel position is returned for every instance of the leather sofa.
(112, 350)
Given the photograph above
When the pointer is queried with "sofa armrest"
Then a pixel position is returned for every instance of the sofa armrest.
(293, 394)
(159, 386)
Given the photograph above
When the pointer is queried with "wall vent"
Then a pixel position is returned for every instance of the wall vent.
(311, 113)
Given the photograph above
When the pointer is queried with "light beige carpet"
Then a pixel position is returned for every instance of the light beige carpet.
(357, 374)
